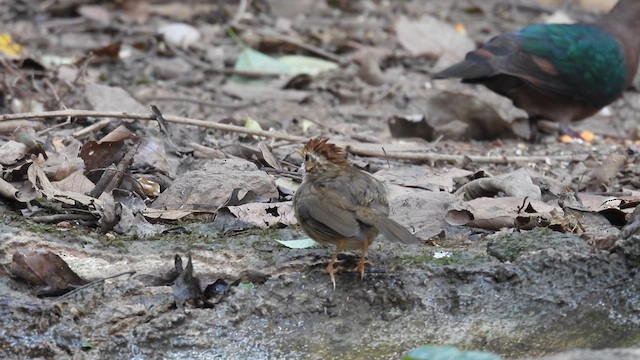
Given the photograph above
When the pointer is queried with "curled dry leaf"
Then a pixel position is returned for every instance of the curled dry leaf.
(45, 269)
(8, 191)
(499, 213)
(11, 152)
(268, 156)
(64, 161)
(187, 287)
(514, 184)
(39, 180)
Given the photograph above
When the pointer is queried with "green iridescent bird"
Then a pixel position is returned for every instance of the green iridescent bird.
(560, 73)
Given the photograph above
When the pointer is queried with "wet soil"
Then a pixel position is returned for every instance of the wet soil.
(558, 295)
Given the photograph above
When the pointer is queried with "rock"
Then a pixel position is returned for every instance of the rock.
(168, 69)
(213, 186)
(629, 248)
(511, 247)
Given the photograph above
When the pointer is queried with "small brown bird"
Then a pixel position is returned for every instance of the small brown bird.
(342, 205)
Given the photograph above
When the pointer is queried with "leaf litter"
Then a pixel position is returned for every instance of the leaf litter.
(139, 176)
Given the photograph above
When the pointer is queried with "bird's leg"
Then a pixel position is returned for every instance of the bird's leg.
(565, 128)
(534, 129)
(330, 269)
(360, 267)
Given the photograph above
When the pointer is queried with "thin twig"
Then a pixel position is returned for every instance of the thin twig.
(242, 8)
(93, 283)
(92, 128)
(428, 156)
(354, 149)
(168, 118)
(112, 178)
(245, 73)
(297, 42)
(56, 218)
(204, 102)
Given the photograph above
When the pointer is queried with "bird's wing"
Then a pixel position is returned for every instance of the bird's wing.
(572, 61)
(329, 213)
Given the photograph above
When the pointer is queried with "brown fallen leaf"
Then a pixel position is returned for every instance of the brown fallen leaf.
(268, 156)
(503, 212)
(515, 184)
(11, 152)
(46, 270)
(264, 215)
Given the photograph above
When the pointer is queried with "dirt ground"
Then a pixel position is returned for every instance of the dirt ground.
(565, 288)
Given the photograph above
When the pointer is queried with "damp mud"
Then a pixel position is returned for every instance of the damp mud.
(557, 294)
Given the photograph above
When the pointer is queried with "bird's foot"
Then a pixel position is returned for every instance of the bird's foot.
(570, 134)
(567, 130)
(331, 270)
(360, 269)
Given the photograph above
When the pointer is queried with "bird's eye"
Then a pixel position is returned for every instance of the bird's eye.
(307, 157)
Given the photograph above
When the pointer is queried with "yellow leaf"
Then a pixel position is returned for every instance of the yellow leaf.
(249, 123)
(8, 47)
(306, 124)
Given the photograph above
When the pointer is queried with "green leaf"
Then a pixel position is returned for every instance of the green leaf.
(297, 244)
(249, 123)
(252, 60)
(246, 285)
(440, 352)
(300, 64)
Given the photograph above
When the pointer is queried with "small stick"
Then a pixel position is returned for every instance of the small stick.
(313, 49)
(173, 119)
(56, 218)
(92, 128)
(411, 156)
(203, 102)
(93, 283)
(429, 156)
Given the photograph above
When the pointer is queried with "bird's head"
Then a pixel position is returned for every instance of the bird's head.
(317, 152)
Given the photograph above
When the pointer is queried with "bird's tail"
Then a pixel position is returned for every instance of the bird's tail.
(391, 229)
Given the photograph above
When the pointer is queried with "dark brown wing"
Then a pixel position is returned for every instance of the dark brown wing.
(326, 212)
(503, 67)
